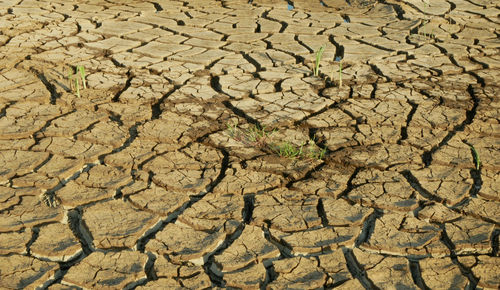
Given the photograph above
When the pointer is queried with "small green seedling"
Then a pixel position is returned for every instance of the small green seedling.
(319, 55)
(317, 154)
(232, 129)
(257, 136)
(80, 73)
(253, 136)
(476, 156)
(81, 69)
(314, 152)
(288, 150)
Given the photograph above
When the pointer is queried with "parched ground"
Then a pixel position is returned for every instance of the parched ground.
(165, 171)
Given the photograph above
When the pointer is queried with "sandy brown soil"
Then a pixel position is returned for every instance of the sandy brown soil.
(159, 175)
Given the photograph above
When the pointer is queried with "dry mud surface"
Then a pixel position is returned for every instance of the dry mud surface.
(140, 183)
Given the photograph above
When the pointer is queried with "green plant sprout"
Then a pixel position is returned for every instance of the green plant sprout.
(80, 72)
(313, 152)
(259, 137)
(291, 151)
(317, 154)
(232, 129)
(476, 156)
(254, 136)
(81, 69)
(319, 55)
(288, 150)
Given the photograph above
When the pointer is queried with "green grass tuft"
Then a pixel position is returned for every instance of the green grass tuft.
(257, 136)
(475, 155)
(81, 69)
(319, 55)
(289, 150)
(253, 136)
(477, 159)
(74, 76)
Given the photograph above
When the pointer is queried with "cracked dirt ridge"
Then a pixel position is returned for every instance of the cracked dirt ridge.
(139, 183)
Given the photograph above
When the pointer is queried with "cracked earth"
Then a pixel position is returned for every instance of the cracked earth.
(140, 183)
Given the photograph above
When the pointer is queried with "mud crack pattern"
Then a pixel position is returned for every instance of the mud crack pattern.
(142, 181)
